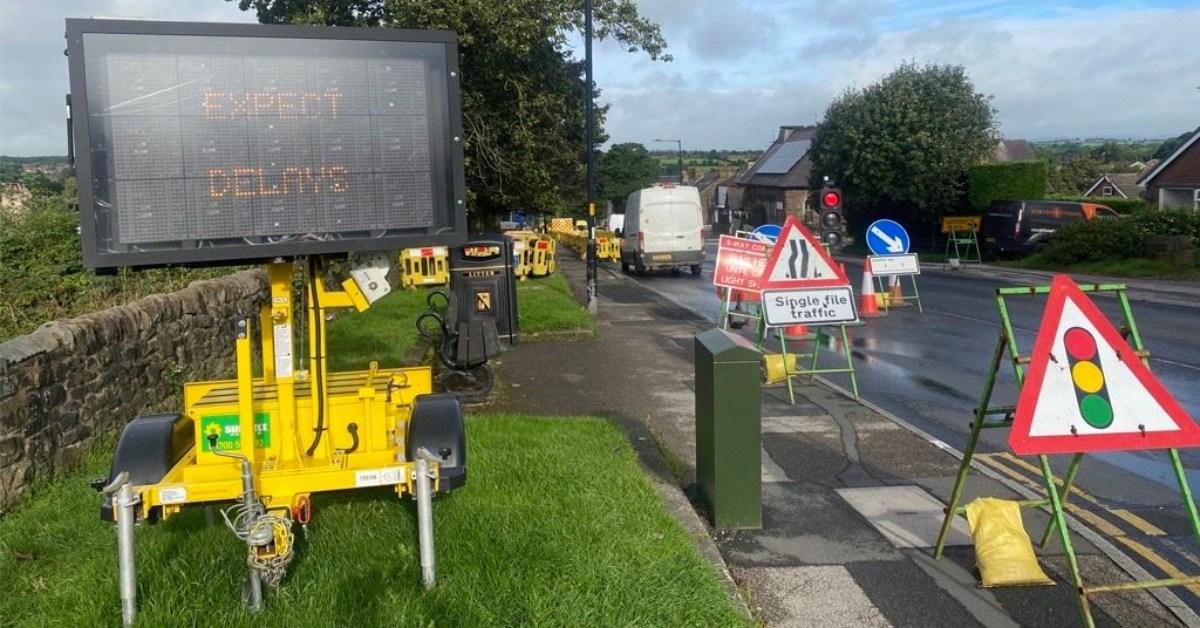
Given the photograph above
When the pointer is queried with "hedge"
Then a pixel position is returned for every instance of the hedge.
(1024, 180)
(1102, 240)
(1116, 203)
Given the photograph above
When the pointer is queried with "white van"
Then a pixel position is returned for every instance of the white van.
(663, 227)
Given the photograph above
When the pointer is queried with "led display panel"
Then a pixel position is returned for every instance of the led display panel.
(222, 143)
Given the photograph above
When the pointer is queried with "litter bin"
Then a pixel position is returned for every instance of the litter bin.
(729, 428)
(485, 287)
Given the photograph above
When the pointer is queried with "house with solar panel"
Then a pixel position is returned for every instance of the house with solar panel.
(777, 183)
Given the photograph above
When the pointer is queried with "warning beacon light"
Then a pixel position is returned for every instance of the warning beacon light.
(831, 217)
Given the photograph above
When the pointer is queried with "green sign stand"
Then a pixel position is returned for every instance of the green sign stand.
(985, 418)
(728, 311)
(965, 245)
(881, 287)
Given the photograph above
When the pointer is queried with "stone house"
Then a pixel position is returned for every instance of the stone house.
(1175, 181)
(776, 185)
(1007, 150)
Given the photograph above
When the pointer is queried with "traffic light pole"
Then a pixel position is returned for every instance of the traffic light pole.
(590, 126)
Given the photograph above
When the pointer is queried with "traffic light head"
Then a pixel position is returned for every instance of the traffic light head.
(1091, 393)
(831, 217)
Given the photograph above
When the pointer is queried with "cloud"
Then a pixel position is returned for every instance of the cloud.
(744, 67)
(33, 69)
(1053, 72)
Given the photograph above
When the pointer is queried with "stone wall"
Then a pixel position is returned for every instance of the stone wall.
(74, 379)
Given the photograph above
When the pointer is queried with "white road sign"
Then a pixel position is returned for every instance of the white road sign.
(887, 265)
(808, 306)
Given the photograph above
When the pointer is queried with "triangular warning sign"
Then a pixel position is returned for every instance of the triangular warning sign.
(799, 261)
(1086, 390)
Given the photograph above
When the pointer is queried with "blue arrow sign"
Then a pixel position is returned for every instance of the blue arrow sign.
(767, 233)
(887, 237)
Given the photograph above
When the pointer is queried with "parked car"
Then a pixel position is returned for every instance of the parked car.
(1022, 227)
(662, 229)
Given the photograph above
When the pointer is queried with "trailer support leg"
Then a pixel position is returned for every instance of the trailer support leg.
(425, 521)
(126, 570)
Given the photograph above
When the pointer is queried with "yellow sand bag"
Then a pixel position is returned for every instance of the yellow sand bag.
(774, 370)
(1003, 550)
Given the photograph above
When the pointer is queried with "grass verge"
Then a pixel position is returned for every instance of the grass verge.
(558, 526)
(547, 305)
(1133, 267)
(386, 332)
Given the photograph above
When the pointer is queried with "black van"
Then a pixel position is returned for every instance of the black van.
(1020, 227)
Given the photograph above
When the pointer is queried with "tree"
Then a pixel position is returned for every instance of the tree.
(901, 147)
(624, 169)
(522, 88)
(1074, 176)
(1168, 148)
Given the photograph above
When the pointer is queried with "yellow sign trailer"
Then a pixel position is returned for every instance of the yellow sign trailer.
(269, 441)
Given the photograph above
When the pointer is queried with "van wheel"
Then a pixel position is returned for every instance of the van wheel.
(625, 267)
(695, 268)
(638, 269)
(674, 272)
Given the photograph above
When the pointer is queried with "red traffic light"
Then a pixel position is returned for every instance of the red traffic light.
(831, 199)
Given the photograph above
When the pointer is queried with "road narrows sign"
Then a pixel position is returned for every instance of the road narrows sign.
(798, 260)
(740, 263)
(1087, 390)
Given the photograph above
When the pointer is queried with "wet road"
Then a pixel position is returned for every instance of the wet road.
(929, 368)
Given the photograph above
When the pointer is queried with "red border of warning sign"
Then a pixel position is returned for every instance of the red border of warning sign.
(792, 224)
(1019, 439)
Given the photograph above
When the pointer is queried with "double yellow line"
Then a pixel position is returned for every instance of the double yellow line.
(1012, 467)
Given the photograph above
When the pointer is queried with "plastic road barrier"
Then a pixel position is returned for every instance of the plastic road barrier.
(424, 266)
(523, 251)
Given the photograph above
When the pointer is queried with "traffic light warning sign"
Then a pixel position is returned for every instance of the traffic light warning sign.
(1087, 390)
(799, 261)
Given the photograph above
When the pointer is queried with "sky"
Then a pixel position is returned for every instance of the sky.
(742, 68)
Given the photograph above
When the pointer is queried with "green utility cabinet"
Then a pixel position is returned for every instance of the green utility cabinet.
(728, 428)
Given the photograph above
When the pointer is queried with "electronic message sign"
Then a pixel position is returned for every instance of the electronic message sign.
(212, 143)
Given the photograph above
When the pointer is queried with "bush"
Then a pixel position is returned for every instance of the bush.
(1174, 222)
(1105, 240)
(1120, 205)
(42, 276)
(1024, 180)
(1094, 241)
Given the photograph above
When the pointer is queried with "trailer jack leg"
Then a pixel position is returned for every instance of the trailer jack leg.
(124, 500)
(424, 492)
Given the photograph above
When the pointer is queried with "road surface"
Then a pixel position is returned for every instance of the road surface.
(929, 370)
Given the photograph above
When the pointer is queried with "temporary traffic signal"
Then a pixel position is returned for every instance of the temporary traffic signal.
(831, 217)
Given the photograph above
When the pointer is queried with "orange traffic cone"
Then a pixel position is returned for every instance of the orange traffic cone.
(868, 307)
(896, 292)
(795, 332)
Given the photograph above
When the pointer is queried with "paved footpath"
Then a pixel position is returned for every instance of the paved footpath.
(851, 498)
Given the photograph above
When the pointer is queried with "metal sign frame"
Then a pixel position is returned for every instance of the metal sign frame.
(453, 235)
(1056, 498)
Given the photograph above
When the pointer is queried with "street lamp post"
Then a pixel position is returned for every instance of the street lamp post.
(590, 124)
(678, 154)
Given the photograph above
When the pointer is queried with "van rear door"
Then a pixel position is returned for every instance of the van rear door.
(670, 224)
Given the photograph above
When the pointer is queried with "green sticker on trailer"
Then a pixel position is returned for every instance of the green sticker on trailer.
(228, 431)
